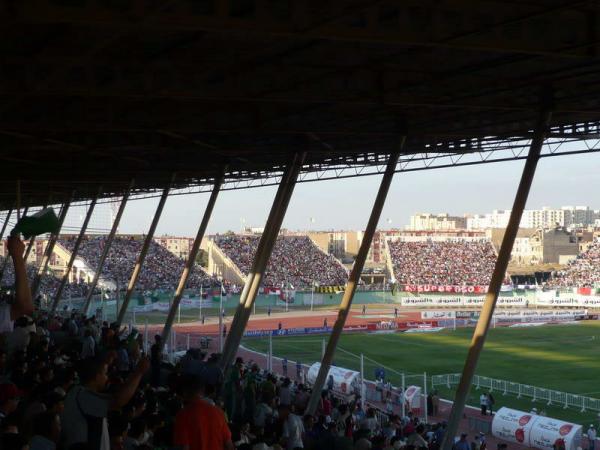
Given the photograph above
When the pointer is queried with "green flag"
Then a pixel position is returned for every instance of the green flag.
(44, 221)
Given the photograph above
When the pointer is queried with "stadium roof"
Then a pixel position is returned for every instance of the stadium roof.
(97, 93)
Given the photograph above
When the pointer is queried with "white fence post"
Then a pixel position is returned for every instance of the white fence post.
(188, 342)
(363, 387)
(270, 362)
(425, 395)
(548, 396)
(146, 346)
(403, 396)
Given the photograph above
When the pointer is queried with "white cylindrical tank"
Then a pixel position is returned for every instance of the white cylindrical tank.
(535, 431)
(345, 381)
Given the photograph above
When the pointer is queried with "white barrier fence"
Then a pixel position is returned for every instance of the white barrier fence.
(550, 396)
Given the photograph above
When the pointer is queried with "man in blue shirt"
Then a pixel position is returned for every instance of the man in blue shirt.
(462, 443)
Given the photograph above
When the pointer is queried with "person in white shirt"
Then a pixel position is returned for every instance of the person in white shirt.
(285, 394)
(262, 414)
(18, 340)
(483, 402)
(88, 347)
(293, 429)
(23, 303)
(591, 435)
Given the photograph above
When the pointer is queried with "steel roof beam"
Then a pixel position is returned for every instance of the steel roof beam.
(412, 28)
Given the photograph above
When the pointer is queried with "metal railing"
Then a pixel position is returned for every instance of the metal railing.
(550, 396)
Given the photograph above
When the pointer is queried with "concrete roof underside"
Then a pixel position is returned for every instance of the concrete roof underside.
(97, 93)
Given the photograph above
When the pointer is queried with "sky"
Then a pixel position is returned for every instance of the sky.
(346, 203)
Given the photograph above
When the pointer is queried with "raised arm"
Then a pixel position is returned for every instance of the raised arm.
(127, 391)
(23, 304)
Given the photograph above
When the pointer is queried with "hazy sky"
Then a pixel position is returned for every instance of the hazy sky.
(345, 204)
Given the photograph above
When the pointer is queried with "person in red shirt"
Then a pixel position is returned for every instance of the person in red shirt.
(200, 425)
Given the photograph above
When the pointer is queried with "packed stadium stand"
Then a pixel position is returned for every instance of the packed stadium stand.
(583, 271)
(48, 285)
(460, 263)
(161, 269)
(295, 260)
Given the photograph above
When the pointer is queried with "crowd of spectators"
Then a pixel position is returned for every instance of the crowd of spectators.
(69, 383)
(295, 260)
(583, 271)
(161, 269)
(456, 263)
(76, 383)
(49, 283)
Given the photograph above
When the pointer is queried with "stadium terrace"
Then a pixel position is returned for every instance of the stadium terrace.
(121, 101)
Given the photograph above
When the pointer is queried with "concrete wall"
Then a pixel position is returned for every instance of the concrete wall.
(558, 242)
(220, 265)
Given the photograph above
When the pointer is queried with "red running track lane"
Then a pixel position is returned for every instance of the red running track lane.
(294, 319)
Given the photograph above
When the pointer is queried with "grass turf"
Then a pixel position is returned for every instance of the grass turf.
(560, 357)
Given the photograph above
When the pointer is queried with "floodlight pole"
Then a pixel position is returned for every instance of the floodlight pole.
(353, 279)
(106, 249)
(191, 260)
(487, 311)
(35, 285)
(142, 256)
(3, 228)
(80, 237)
(261, 258)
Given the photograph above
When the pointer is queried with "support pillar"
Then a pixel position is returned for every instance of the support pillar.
(5, 262)
(353, 280)
(487, 311)
(32, 239)
(80, 237)
(106, 249)
(261, 258)
(5, 224)
(37, 281)
(191, 260)
(142, 256)
(28, 249)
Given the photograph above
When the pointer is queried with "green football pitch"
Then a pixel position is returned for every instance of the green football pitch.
(561, 357)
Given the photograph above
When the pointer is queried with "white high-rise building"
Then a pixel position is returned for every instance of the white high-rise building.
(498, 218)
(432, 222)
(566, 216)
(580, 216)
